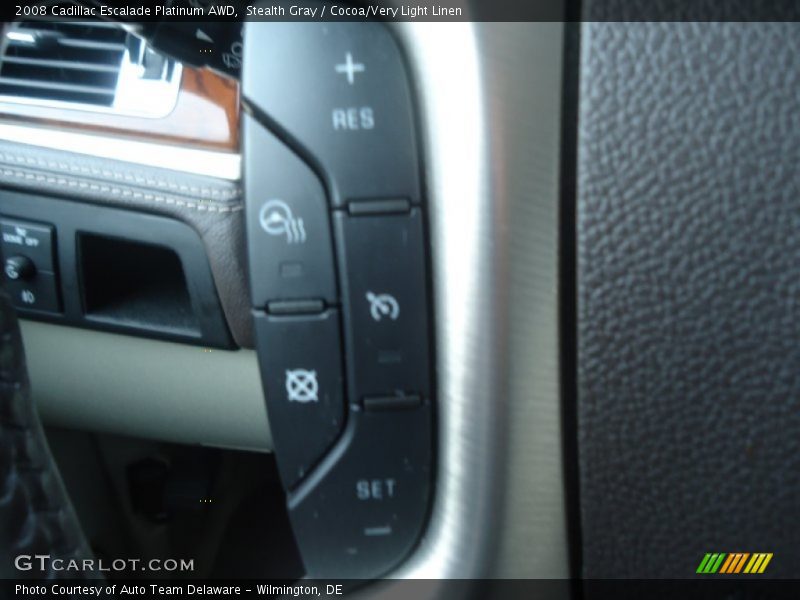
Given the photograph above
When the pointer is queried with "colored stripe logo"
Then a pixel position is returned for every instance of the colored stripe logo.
(734, 563)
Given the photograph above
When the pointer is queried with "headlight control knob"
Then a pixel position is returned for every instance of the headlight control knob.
(19, 268)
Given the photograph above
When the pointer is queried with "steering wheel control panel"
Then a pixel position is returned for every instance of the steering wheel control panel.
(336, 248)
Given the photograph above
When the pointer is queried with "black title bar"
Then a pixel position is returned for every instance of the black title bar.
(408, 10)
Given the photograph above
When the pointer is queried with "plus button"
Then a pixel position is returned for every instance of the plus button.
(350, 68)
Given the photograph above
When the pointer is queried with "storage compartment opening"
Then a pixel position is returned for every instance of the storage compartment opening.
(135, 284)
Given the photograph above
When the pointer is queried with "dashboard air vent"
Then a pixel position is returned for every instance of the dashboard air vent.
(86, 65)
(74, 62)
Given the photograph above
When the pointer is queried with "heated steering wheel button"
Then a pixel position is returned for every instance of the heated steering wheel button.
(301, 368)
(288, 227)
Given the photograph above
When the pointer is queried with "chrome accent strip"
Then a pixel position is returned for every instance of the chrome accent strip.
(133, 96)
(223, 165)
(18, 36)
(160, 96)
(149, 98)
(489, 101)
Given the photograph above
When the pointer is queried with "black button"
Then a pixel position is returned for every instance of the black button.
(361, 514)
(295, 307)
(39, 293)
(377, 207)
(340, 90)
(19, 268)
(33, 240)
(395, 402)
(288, 226)
(383, 291)
(301, 368)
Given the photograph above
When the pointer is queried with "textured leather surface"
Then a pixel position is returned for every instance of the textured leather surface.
(213, 207)
(688, 237)
(36, 516)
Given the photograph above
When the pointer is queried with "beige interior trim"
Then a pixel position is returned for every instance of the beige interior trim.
(133, 386)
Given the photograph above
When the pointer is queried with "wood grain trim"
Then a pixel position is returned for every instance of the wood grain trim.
(206, 115)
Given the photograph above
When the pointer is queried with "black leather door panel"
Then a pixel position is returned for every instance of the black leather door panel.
(688, 233)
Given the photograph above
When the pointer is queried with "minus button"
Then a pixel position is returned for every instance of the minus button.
(378, 531)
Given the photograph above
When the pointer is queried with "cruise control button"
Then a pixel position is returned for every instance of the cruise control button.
(288, 227)
(341, 91)
(383, 281)
(301, 369)
(33, 240)
(361, 516)
(39, 293)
